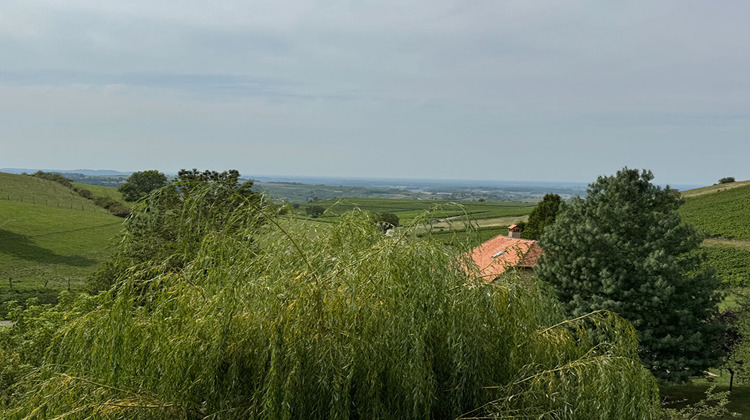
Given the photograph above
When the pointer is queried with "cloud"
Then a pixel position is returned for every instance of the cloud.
(585, 87)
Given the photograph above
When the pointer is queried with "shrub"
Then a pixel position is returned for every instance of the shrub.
(119, 210)
(55, 177)
(315, 211)
(726, 180)
(84, 193)
(105, 202)
(386, 221)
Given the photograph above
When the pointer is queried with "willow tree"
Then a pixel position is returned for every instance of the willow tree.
(167, 226)
(625, 249)
(340, 323)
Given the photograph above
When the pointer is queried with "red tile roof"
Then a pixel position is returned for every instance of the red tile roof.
(501, 252)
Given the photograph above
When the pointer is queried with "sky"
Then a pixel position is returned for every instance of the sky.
(519, 90)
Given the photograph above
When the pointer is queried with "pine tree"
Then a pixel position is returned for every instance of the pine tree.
(625, 249)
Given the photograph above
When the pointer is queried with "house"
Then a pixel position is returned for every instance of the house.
(503, 252)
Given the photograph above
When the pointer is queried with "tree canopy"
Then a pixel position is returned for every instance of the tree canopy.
(140, 184)
(158, 227)
(386, 220)
(542, 216)
(625, 249)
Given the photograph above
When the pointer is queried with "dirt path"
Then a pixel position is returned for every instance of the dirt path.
(735, 243)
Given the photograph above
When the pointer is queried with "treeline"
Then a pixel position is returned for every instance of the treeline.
(113, 206)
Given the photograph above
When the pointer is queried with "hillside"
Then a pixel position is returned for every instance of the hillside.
(722, 212)
(50, 238)
(713, 188)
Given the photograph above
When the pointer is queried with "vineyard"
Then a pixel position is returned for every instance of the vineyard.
(723, 213)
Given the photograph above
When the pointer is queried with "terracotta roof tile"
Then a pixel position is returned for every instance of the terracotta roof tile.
(501, 252)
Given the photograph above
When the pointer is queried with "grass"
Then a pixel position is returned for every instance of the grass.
(722, 213)
(45, 248)
(408, 210)
(101, 191)
(713, 188)
(33, 190)
(678, 396)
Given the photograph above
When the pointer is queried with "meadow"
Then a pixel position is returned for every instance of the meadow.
(51, 239)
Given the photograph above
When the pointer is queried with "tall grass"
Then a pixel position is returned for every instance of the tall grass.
(268, 321)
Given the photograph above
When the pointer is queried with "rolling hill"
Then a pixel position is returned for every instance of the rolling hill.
(721, 212)
(50, 238)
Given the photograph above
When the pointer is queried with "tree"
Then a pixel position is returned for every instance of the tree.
(140, 184)
(315, 211)
(542, 216)
(312, 323)
(727, 180)
(386, 221)
(213, 202)
(625, 249)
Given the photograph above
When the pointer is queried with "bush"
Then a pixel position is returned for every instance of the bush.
(119, 210)
(106, 202)
(386, 221)
(726, 180)
(54, 177)
(84, 193)
(315, 211)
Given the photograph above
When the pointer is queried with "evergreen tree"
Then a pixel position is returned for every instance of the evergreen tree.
(625, 249)
(542, 216)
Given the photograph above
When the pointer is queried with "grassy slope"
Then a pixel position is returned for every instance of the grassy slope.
(100, 191)
(43, 247)
(713, 188)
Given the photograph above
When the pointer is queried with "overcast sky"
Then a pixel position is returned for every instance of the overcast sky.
(497, 90)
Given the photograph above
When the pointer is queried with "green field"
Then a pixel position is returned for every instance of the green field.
(722, 213)
(677, 396)
(409, 210)
(45, 248)
(100, 191)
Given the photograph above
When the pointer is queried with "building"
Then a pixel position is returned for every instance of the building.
(502, 253)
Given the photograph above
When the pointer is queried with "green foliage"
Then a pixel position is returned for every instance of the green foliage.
(625, 249)
(54, 177)
(736, 340)
(732, 265)
(346, 323)
(726, 180)
(542, 216)
(168, 225)
(723, 213)
(713, 405)
(409, 210)
(386, 220)
(140, 184)
(45, 248)
(315, 211)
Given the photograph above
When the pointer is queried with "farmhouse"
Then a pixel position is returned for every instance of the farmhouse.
(502, 252)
